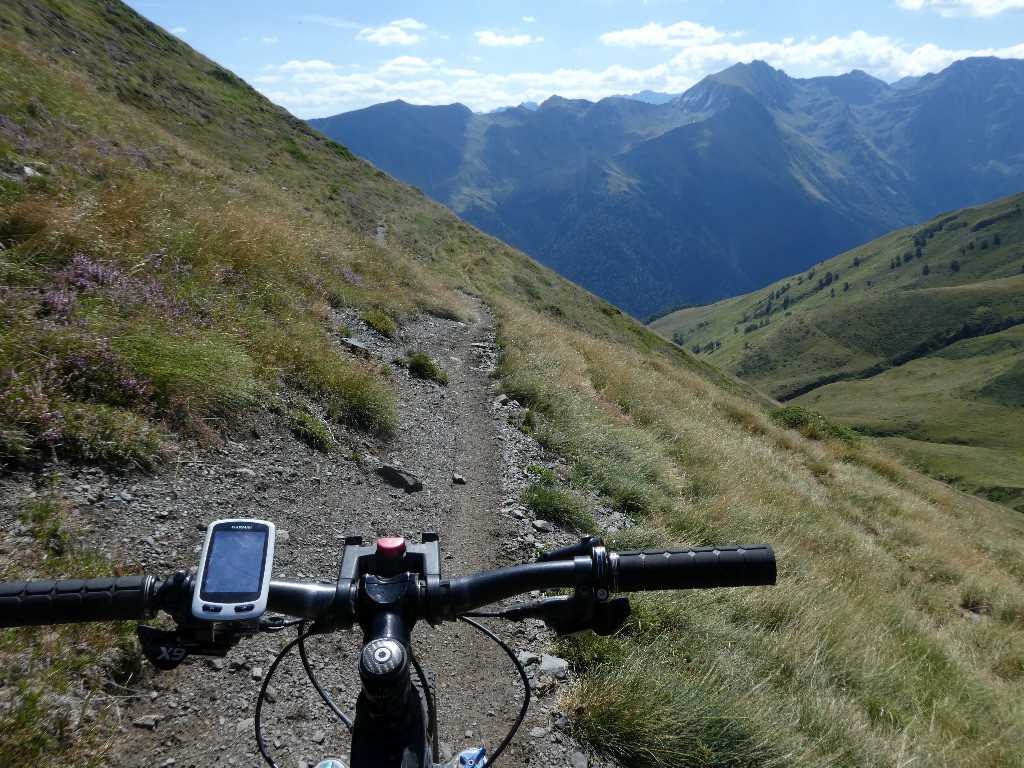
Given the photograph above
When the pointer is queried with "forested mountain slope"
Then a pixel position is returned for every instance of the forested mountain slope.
(914, 337)
(747, 177)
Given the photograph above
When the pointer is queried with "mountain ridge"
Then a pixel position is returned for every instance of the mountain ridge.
(858, 157)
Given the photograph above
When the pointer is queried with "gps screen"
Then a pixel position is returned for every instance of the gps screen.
(234, 563)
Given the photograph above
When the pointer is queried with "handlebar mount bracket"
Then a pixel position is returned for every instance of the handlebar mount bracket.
(589, 607)
(360, 559)
(167, 648)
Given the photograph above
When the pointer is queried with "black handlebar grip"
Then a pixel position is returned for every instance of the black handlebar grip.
(25, 603)
(698, 568)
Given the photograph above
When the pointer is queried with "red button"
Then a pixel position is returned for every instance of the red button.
(391, 547)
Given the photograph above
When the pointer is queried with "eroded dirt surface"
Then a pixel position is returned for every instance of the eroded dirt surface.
(202, 713)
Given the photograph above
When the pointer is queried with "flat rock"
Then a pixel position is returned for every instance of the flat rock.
(146, 721)
(527, 657)
(357, 348)
(552, 666)
(400, 478)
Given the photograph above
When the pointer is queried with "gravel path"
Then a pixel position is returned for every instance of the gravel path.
(201, 714)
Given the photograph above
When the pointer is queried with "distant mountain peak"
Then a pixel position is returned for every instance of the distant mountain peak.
(771, 86)
(555, 101)
(748, 175)
(532, 106)
(856, 87)
(651, 97)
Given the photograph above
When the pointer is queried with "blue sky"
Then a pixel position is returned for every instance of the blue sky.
(322, 57)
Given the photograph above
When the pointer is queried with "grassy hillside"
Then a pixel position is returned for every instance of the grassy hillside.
(914, 338)
(169, 263)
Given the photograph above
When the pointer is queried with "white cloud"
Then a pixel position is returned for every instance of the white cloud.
(880, 56)
(681, 34)
(179, 31)
(403, 65)
(317, 88)
(492, 39)
(948, 8)
(270, 40)
(396, 33)
(327, 21)
(307, 66)
(530, 19)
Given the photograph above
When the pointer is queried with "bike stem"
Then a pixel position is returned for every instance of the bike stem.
(389, 727)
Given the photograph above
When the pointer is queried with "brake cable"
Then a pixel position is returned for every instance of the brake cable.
(263, 692)
(522, 674)
(319, 688)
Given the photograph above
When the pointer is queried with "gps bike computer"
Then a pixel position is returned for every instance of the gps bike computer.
(234, 570)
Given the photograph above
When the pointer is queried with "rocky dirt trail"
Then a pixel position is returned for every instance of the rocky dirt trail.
(201, 714)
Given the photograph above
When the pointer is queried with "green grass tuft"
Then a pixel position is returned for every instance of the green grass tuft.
(667, 719)
(563, 508)
(310, 430)
(380, 322)
(421, 366)
(813, 425)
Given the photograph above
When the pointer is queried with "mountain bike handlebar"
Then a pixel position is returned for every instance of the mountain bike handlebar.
(24, 603)
(384, 588)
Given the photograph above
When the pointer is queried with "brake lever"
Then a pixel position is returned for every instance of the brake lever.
(584, 546)
(573, 614)
(587, 608)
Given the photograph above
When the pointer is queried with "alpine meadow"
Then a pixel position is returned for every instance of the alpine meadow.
(173, 246)
(914, 338)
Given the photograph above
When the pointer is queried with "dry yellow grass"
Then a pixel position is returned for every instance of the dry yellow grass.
(867, 653)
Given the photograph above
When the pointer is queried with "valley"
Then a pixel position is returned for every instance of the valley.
(745, 178)
(914, 338)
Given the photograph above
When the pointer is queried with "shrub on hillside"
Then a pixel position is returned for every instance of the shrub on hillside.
(812, 424)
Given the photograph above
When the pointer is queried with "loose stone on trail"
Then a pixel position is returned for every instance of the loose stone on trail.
(399, 478)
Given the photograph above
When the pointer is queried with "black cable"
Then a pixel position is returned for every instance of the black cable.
(522, 673)
(319, 688)
(263, 694)
(277, 627)
(431, 702)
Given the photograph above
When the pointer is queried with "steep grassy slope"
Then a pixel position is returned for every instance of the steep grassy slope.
(173, 264)
(955, 412)
(913, 337)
